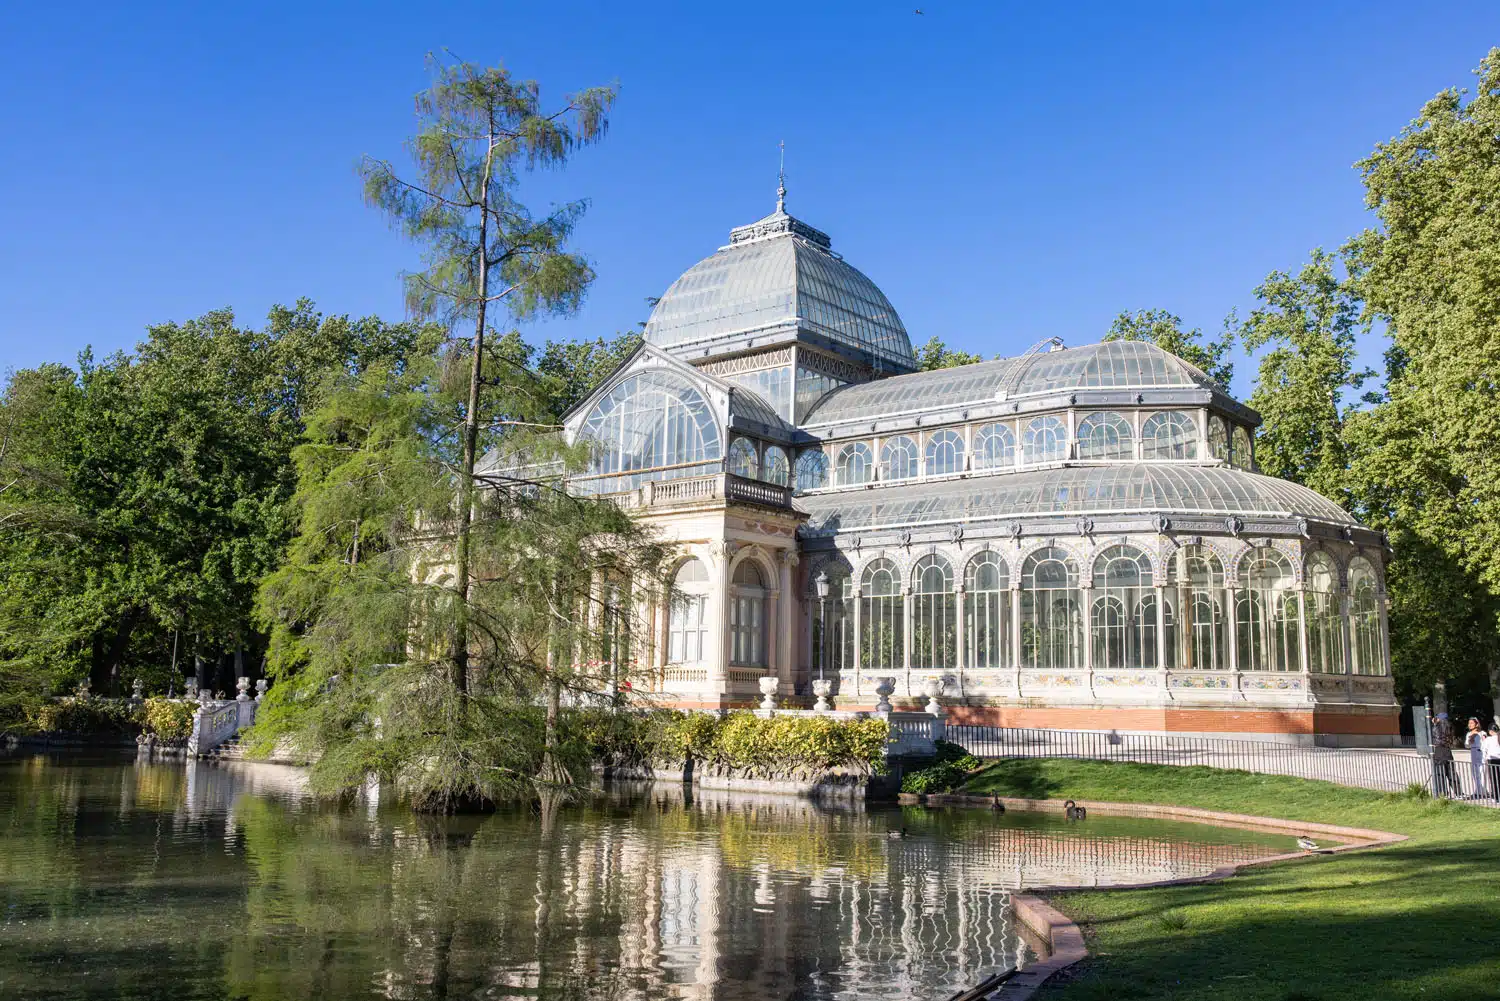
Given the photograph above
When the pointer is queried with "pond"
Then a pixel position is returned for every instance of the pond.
(132, 879)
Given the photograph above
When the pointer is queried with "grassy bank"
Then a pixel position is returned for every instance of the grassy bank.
(1420, 919)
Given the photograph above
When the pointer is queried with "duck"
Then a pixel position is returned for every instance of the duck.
(1307, 844)
(1073, 811)
(996, 805)
(896, 835)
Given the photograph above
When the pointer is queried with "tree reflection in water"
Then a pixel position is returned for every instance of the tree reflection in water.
(198, 880)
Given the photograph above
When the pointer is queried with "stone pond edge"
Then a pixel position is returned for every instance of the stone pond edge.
(1062, 935)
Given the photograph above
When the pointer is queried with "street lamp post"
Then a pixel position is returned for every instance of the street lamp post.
(821, 687)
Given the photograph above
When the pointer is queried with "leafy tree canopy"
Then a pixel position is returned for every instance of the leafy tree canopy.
(935, 355)
(1165, 330)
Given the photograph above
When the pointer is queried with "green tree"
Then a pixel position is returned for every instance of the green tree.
(935, 355)
(486, 253)
(1308, 380)
(1165, 330)
(1430, 271)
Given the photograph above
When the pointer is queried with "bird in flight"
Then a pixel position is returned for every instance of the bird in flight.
(917, 11)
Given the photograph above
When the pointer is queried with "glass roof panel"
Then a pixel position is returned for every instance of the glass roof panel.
(1128, 489)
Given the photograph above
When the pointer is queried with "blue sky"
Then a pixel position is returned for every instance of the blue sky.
(1005, 172)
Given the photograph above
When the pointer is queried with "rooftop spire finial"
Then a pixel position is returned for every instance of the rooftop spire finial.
(781, 181)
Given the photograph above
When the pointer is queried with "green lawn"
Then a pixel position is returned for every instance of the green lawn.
(1420, 919)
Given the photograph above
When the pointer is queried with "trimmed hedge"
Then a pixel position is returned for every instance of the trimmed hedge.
(774, 747)
(82, 716)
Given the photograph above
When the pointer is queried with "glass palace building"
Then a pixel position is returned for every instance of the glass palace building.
(1077, 537)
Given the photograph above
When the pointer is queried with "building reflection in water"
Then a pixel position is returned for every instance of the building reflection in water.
(236, 882)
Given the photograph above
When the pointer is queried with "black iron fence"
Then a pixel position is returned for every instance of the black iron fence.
(1393, 770)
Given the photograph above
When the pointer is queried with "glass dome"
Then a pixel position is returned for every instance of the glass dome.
(778, 278)
(1094, 490)
(651, 420)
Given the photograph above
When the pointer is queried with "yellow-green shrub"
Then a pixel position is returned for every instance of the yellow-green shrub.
(170, 721)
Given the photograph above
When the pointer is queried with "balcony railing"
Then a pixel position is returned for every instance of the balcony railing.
(700, 489)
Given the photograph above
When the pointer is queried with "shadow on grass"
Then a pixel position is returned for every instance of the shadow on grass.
(1023, 778)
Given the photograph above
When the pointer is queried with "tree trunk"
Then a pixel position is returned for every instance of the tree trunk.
(105, 676)
(1495, 692)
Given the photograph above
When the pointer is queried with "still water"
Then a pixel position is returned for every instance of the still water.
(126, 879)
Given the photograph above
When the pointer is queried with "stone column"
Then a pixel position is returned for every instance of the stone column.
(1232, 623)
(718, 661)
(786, 612)
(859, 635)
(1347, 638)
(1382, 603)
(960, 644)
(1014, 597)
(906, 618)
(1302, 633)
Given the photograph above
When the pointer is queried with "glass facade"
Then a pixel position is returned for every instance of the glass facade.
(687, 623)
(945, 453)
(934, 631)
(774, 467)
(1123, 623)
(898, 459)
(1105, 436)
(812, 470)
(1051, 611)
(774, 385)
(1268, 613)
(987, 612)
(650, 421)
(882, 618)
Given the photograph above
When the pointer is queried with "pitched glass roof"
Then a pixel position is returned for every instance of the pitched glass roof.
(1108, 365)
(1137, 488)
(779, 273)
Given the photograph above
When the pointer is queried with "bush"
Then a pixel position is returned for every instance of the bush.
(951, 769)
(170, 721)
(82, 716)
(741, 741)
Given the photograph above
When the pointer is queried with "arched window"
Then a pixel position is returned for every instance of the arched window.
(1051, 611)
(1364, 619)
(1169, 435)
(747, 616)
(775, 468)
(882, 620)
(742, 459)
(840, 611)
(1197, 579)
(856, 464)
(1123, 622)
(1267, 613)
(1105, 435)
(1218, 438)
(687, 624)
(987, 615)
(1325, 628)
(812, 470)
(945, 453)
(898, 459)
(1045, 440)
(648, 421)
(934, 633)
(994, 447)
(1241, 453)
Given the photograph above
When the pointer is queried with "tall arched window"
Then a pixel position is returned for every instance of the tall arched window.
(934, 631)
(1051, 611)
(687, 623)
(945, 453)
(1364, 619)
(1197, 578)
(994, 447)
(1045, 440)
(840, 611)
(856, 464)
(898, 459)
(1325, 628)
(883, 622)
(747, 616)
(987, 614)
(650, 420)
(1123, 621)
(1218, 438)
(742, 459)
(1169, 435)
(775, 468)
(1105, 435)
(1267, 613)
(1241, 453)
(812, 470)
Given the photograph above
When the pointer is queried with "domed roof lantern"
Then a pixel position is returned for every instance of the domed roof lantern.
(778, 282)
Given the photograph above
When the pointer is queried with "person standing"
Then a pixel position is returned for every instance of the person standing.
(1444, 779)
(1474, 741)
(1491, 745)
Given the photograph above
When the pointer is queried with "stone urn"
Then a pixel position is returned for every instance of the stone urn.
(260, 689)
(822, 688)
(192, 688)
(243, 684)
(884, 690)
(768, 688)
(85, 688)
(932, 688)
(205, 696)
(137, 689)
